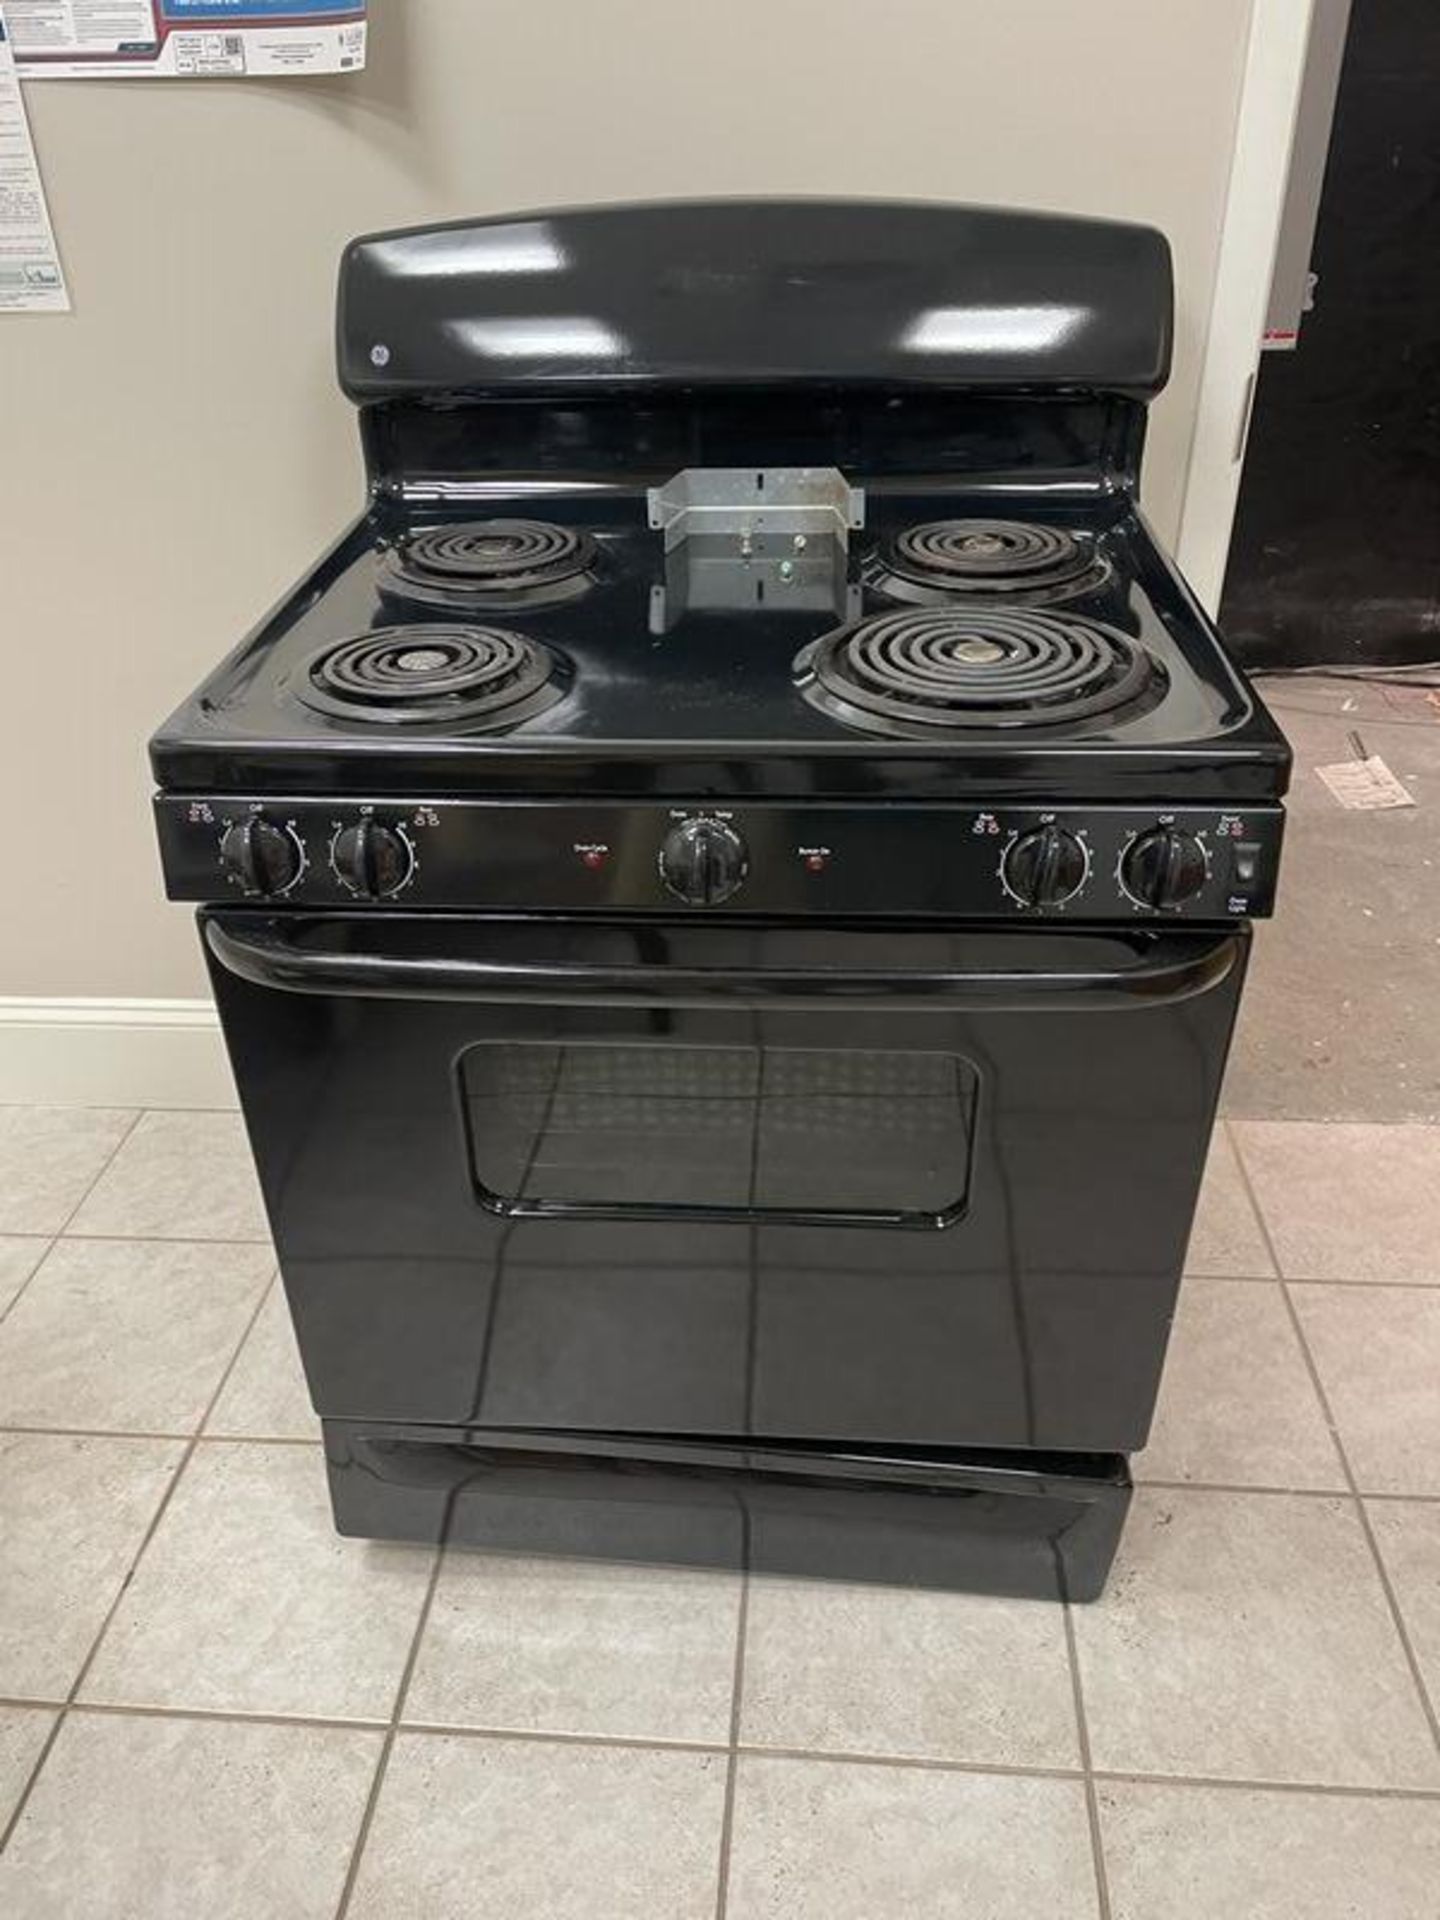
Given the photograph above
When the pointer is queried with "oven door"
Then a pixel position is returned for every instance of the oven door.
(908, 1186)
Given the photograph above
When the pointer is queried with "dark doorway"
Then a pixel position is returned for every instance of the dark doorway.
(1336, 553)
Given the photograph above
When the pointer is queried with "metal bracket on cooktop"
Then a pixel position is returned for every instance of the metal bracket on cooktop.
(760, 509)
(699, 581)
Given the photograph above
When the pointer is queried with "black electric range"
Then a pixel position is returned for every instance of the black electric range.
(728, 889)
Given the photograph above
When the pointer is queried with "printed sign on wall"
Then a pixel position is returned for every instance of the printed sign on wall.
(31, 278)
(186, 39)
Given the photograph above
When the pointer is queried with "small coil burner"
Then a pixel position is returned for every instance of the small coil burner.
(951, 670)
(471, 679)
(488, 564)
(929, 564)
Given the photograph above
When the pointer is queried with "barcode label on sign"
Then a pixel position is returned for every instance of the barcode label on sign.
(209, 53)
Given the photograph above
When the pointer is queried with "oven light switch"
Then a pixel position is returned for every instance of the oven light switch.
(1245, 862)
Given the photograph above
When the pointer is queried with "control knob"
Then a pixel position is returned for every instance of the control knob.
(264, 858)
(1046, 867)
(372, 859)
(1164, 868)
(703, 862)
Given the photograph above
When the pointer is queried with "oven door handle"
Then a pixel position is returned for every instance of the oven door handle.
(267, 954)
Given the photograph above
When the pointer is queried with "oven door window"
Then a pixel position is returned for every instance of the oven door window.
(596, 1127)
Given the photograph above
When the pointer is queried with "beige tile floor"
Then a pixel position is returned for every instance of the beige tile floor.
(212, 1706)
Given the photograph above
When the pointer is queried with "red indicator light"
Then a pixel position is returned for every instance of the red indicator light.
(816, 862)
(594, 857)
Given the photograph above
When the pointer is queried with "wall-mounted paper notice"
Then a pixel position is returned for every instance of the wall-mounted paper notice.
(186, 39)
(31, 278)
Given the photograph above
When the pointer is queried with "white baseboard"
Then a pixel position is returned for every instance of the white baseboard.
(112, 1053)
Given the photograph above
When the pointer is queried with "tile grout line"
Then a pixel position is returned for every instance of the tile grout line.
(1338, 1492)
(48, 1246)
(235, 1716)
(163, 1239)
(1227, 1279)
(53, 1239)
(994, 1769)
(176, 1439)
(109, 1106)
(101, 1172)
(555, 1737)
(912, 1763)
(990, 1769)
(1364, 1286)
(1427, 1796)
(1087, 1770)
(162, 1507)
(732, 1763)
(387, 1747)
(435, 1729)
(9, 1826)
(191, 1239)
(190, 1443)
(1298, 1279)
(1229, 1124)
(1225, 1126)
(1427, 1705)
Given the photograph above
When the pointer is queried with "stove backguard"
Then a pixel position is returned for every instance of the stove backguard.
(708, 293)
(871, 336)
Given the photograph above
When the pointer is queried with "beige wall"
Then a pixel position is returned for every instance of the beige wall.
(174, 452)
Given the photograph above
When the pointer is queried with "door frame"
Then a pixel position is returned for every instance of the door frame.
(1270, 93)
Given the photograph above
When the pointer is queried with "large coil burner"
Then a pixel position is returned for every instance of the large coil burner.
(959, 669)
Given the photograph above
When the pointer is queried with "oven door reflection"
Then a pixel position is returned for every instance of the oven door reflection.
(926, 1187)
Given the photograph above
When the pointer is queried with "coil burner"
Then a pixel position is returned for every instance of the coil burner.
(460, 679)
(978, 668)
(930, 564)
(484, 565)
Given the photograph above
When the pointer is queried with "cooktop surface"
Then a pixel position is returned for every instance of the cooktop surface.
(546, 638)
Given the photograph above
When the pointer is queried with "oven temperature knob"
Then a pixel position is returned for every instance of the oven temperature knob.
(372, 859)
(264, 858)
(703, 862)
(1046, 867)
(1164, 868)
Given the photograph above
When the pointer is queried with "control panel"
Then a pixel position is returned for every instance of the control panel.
(1015, 863)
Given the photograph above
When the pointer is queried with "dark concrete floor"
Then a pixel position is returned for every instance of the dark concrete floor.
(1341, 1019)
